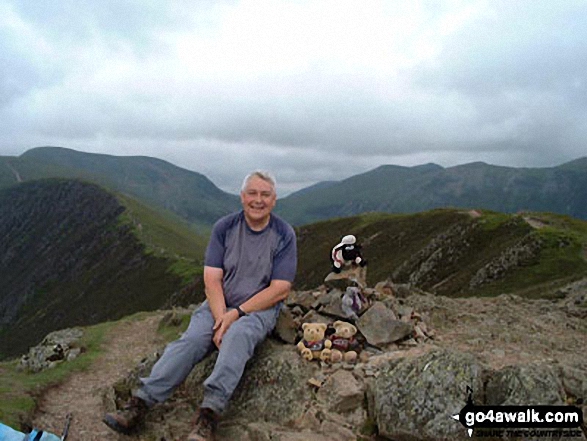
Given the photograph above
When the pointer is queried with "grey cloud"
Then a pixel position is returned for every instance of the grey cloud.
(507, 86)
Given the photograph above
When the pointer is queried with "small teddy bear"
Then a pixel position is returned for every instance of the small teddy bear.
(314, 345)
(345, 346)
(353, 302)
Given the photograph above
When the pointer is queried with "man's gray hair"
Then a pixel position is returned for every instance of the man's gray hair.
(262, 174)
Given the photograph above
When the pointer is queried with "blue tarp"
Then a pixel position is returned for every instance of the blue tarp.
(8, 434)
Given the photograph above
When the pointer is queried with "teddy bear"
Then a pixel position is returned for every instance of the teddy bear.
(314, 344)
(353, 301)
(345, 346)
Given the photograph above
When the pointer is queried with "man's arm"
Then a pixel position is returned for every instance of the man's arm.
(266, 298)
(277, 291)
(214, 290)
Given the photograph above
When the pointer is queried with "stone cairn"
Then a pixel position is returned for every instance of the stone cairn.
(383, 321)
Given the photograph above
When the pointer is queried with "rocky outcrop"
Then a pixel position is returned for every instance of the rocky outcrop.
(413, 399)
(381, 327)
(446, 248)
(57, 347)
(407, 390)
(519, 254)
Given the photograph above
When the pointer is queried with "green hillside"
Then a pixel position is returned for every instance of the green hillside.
(452, 253)
(396, 189)
(190, 195)
(75, 254)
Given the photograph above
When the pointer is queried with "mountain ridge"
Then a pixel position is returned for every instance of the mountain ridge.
(396, 189)
(69, 257)
(388, 188)
(189, 194)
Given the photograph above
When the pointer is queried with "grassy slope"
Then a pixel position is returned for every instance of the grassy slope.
(82, 273)
(166, 235)
(397, 246)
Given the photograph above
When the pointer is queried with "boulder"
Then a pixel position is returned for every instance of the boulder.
(380, 326)
(342, 392)
(305, 299)
(286, 328)
(384, 289)
(55, 348)
(413, 399)
(525, 385)
(574, 381)
(273, 390)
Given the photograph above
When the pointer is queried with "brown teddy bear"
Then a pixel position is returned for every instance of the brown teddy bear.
(314, 345)
(345, 346)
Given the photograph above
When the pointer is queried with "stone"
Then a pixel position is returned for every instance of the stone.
(414, 398)
(286, 328)
(525, 385)
(315, 317)
(304, 299)
(333, 306)
(574, 380)
(337, 432)
(402, 290)
(56, 347)
(341, 392)
(380, 327)
(384, 289)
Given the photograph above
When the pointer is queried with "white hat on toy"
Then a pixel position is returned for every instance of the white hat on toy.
(348, 240)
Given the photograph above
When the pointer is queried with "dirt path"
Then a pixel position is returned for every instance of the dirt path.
(81, 394)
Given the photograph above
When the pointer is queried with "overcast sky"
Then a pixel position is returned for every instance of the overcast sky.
(311, 90)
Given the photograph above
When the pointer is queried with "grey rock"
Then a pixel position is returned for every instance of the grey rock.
(384, 289)
(56, 347)
(273, 389)
(332, 306)
(65, 337)
(574, 380)
(342, 392)
(413, 399)
(286, 328)
(525, 385)
(380, 327)
(402, 290)
(304, 299)
(315, 317)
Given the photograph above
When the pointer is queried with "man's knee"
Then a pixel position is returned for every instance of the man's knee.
(245, 333)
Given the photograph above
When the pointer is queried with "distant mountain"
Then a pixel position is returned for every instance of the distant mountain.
(454, 253)
(396, 189)
(74, 254)
(307, 190)
(388, 188)
(190, 195)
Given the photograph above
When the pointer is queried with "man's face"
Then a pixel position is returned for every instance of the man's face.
(258, 199)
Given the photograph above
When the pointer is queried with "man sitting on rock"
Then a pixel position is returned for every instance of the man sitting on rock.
(249, 267)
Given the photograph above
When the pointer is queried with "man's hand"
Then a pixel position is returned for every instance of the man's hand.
(222, 324)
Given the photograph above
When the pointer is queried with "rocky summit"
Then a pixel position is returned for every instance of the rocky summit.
(420, 356)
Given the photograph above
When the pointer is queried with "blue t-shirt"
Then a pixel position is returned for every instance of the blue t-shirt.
(251, 259)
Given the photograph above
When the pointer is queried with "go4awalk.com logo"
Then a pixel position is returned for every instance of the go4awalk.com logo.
(516, 421)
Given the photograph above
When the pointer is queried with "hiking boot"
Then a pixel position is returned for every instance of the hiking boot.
(127, 419)
(206, 422)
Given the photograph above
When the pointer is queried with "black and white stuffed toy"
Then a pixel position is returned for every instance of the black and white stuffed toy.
(346, 253)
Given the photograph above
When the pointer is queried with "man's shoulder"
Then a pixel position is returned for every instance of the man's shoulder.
(228, 221)
(281, 226)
